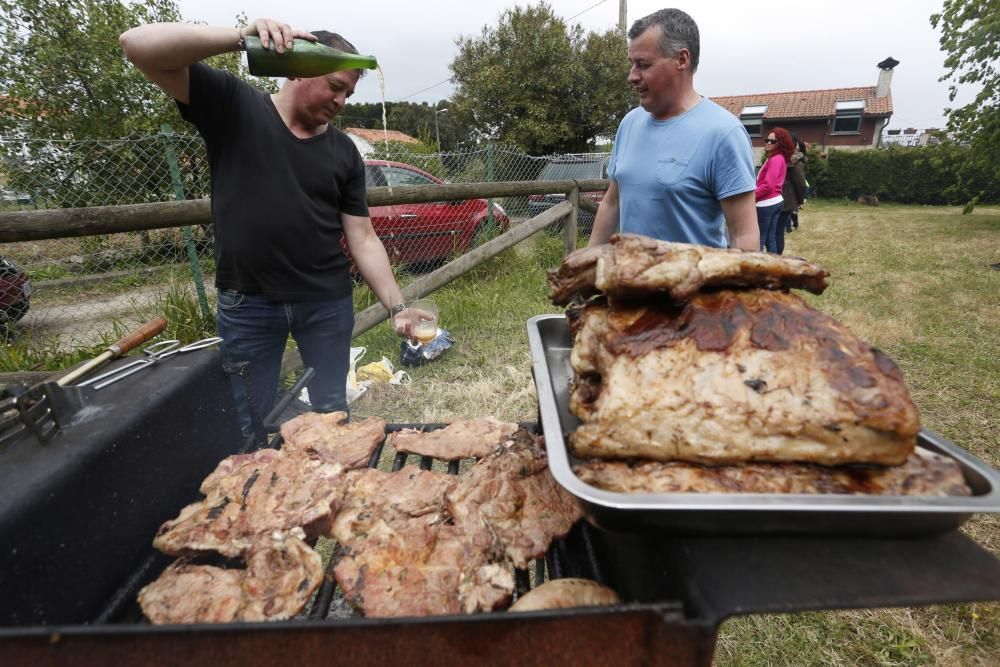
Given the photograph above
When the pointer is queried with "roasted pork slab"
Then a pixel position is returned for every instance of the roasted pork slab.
(734, 376)
(631, 266)
(405, 557)
(280, 576)
(465, 438)
(249, 494)
(330, 437)
(513, 493)
(923, 474)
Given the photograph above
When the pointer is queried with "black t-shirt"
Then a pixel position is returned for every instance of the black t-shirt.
(276, 199)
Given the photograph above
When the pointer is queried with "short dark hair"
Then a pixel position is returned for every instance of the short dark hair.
(336, 41)
(678, 31)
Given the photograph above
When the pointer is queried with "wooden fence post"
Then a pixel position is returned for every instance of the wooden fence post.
(569, 231)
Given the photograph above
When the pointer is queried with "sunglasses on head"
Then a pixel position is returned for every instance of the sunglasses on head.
(770, 141)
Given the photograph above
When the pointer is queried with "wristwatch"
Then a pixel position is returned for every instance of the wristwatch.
(397, 309)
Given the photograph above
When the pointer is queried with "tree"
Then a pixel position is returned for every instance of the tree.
(64, 77)
(536, 83)
(970, 36)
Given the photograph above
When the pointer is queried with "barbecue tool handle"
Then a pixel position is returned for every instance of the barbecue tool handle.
(123, 346)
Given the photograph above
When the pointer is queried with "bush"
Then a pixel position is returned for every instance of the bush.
(926, 175)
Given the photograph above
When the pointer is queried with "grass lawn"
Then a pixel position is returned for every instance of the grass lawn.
(915, 281)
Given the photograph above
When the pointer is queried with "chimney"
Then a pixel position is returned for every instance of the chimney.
(885, 76)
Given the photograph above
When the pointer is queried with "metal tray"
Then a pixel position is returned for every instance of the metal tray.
(743, 513)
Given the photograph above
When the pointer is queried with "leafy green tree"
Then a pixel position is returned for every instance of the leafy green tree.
(536, 83)
(64, 77)
(970, 36)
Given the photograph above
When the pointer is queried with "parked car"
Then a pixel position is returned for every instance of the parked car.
(15, 292)
(424, 233)
(566, 168)
(12, 197)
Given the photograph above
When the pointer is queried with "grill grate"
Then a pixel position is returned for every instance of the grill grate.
(123, 608)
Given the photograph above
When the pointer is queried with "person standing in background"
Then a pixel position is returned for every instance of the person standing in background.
(681, 168)
(793, 192)
(287, 188)
(778, 147)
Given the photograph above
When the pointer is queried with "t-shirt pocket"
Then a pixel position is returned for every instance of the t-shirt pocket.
(670, 170)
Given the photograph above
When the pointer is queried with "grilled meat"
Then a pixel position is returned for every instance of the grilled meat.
(566, 593)
(374, 500)
(281, 575)
(250, 494)
(417, 569)
(734, 376)
(404, 556)
(459, 440)
(923, 474)
(513, 493)
(632, 266)
(331, 438)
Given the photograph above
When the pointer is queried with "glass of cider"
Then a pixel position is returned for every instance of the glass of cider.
(424, 322)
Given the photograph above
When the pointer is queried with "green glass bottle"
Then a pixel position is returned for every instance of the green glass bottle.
(305, 59)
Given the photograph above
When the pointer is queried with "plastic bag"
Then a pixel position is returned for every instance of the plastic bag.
(411, 354)
(355, 389)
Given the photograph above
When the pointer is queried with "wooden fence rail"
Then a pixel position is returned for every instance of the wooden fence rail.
(57, 223)
(45, 224)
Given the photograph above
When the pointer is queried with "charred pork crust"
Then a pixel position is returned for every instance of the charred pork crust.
(731, 376)
(630, 267)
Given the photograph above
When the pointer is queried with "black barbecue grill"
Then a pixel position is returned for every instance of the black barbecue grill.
(78, 513)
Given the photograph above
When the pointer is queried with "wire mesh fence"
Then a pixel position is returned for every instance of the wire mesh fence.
(74, 292)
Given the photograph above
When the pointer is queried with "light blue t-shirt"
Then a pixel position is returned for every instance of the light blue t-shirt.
(672, 173)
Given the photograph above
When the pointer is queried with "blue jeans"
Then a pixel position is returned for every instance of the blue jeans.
(255, 330)
(784, 224)
(767, 221)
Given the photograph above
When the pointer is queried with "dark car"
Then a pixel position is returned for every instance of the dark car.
(421, 233)
(568, 168)
(15, 292)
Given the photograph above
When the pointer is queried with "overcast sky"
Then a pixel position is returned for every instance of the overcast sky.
(745, 47)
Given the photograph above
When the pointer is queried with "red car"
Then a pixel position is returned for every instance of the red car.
(15, 292)
(423, 233)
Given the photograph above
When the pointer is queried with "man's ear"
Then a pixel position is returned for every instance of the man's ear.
(683, 59)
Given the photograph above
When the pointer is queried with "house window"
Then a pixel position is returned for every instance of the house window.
(848, 118)
(752, 118)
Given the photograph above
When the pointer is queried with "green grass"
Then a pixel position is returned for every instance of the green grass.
(914, 281)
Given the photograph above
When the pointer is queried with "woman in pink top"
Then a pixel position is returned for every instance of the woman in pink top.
(779, 148)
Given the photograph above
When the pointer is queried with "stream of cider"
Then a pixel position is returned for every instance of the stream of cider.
(385, 124)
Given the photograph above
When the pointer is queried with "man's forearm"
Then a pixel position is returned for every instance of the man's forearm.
(373, 265)
(606, 218)
(173, 46)
(741, 219)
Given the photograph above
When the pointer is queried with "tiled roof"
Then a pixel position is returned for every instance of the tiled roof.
(377, 136)
(808, 103)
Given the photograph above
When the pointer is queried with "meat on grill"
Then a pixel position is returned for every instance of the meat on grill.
(281, 575)
(404, 556)
(331, 438)
(923, 474)
(734, 376)
(513, 493)
(372, 499)
(631, 266)
(564, 594)
(249, 494)
(417, 569)
(466, 438)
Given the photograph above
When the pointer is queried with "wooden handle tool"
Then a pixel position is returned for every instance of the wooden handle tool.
(123, 346)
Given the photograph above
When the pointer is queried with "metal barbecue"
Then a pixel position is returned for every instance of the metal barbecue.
(77, 517)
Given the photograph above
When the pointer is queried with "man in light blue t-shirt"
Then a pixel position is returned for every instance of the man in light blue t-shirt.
(682, 166)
